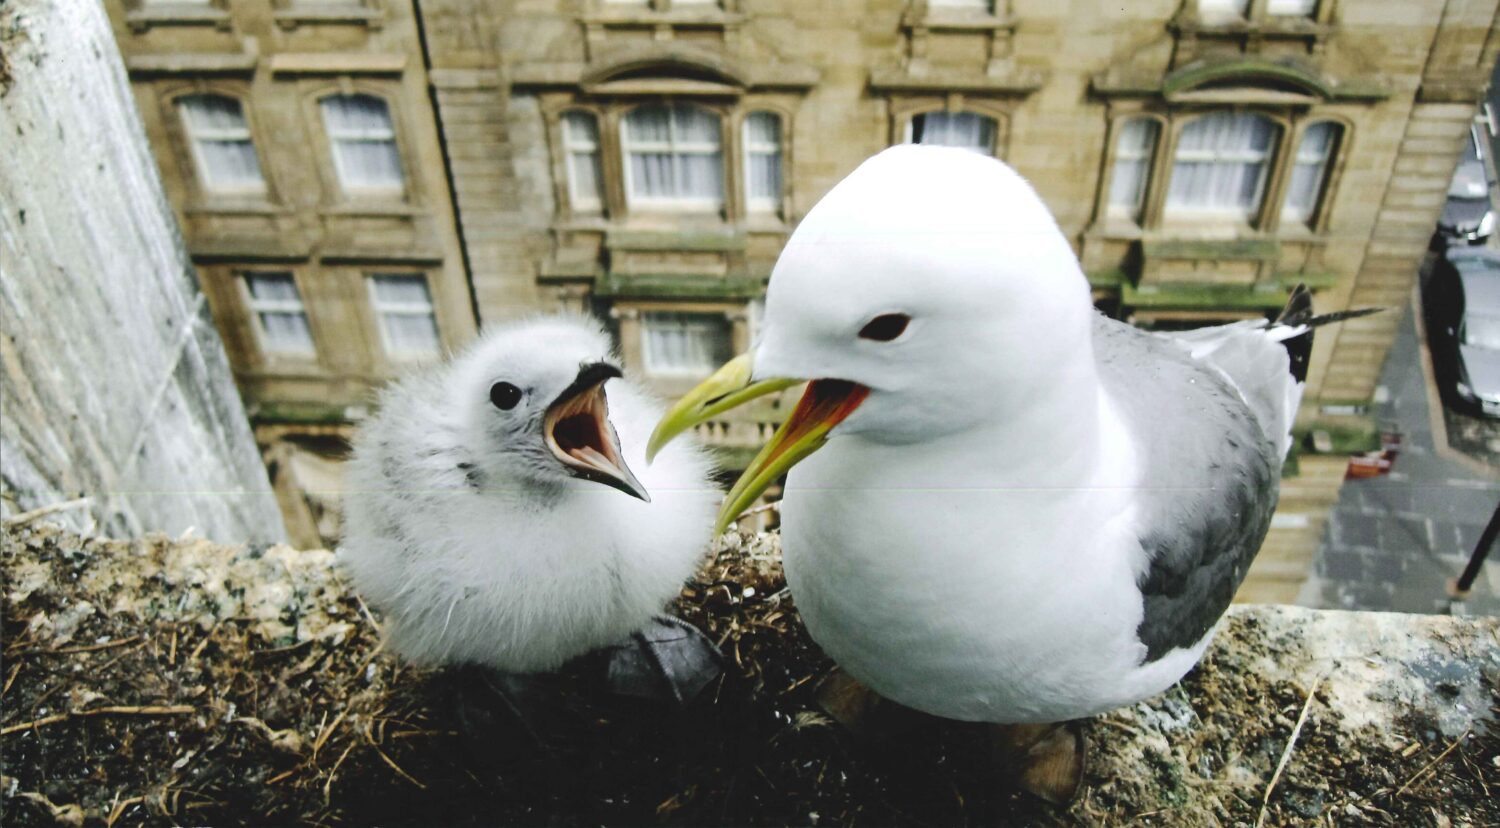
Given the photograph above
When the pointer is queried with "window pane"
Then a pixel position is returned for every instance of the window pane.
(221, 142)
(363, 140)
(955, 129)
(581, 140)
(1309, 172)
(649, 124)
(983, 5)
(1292, 8)
(673, 156)
(278, 310)
(403, 304)
(687, 344)
(275, 287)
(700, 177)
(411, 335)
(1220, 165)
(1133, 152)
(402, 290)
(1219, 10)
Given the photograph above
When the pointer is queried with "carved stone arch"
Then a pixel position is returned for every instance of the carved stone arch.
(1246, 80)
(665, 72)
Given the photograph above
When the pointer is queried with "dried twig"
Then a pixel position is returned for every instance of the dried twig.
(88, 648)
(397, 768)
(40, 512)
(328, 785)
(1286, 755)
(1427, 767)
(114, 710)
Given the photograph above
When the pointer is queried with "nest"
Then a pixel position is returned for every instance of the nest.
(164, 681)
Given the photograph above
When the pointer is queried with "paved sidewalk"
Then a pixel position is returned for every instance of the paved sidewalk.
(1393, 542)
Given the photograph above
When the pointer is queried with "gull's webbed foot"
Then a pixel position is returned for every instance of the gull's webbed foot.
(669, 659)
(1044, 760)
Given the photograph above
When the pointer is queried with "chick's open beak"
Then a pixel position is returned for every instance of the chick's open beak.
(824, 404)
(577, 429)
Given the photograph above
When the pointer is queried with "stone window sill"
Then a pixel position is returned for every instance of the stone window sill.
(139, 20)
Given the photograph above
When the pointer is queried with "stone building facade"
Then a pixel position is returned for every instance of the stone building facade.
(645, 160)
(298, 147)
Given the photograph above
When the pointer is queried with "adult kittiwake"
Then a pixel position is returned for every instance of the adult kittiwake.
(493, 515)
(1019, 511)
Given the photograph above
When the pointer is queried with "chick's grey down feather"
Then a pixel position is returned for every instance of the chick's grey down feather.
(471, 537)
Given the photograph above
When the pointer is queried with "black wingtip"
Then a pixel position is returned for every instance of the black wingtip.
(1298, 308)
(1298, 312)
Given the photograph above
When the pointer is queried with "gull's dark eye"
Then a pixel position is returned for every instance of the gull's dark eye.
(504, 395)
(885, 327)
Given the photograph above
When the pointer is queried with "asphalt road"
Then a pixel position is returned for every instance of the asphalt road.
(1393, 542)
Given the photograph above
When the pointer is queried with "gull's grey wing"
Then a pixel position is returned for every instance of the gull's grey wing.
(1209, 485)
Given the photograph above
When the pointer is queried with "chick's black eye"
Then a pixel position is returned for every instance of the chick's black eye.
(885, 327)
(504, 395)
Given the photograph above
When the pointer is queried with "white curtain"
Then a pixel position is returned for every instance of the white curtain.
(278, 307)
(404, 305)
(364, 142)
(581, 139)
(221, 139)
(955, 129)
(685, 344)
(1291, 8)
(1220, 165)
(1221, 10)
(1133, 151)
(674, 155)
(1309, 172)
(762, 161)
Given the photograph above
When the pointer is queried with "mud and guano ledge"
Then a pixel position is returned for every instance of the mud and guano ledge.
(161, 681)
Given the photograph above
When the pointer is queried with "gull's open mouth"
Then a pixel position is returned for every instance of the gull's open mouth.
(577, 430)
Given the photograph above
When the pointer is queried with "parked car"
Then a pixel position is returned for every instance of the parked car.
(1468, 217)
(1462, 310)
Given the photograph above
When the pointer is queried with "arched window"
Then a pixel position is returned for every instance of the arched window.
(363, 140)
(673, 157)
(1219, 170)
(222, 146)
(581, 144)
(954, 129)
(762, 162)
(1135, 146)
(1309, 179)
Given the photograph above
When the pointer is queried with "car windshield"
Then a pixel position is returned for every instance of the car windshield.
(1482, 331)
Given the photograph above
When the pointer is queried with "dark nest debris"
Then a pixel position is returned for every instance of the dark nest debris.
(179, 682)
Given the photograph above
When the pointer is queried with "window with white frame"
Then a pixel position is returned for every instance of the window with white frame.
(1304, 189)
(953, 129)
(363, 140)
(976, 5)
(1291, 8)
(762, 162)
(1219, 170)
(408, 325)
(581, 145)
(684, 344)
(673, 157)
(222, 146)
(1222, 10)
(1134, 149)
(280, 318)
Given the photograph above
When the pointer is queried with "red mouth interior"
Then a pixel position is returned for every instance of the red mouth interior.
(580, 431)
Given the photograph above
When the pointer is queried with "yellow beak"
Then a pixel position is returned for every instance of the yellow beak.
(824, 405)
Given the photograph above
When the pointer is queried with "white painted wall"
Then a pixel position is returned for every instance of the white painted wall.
(113, 382)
